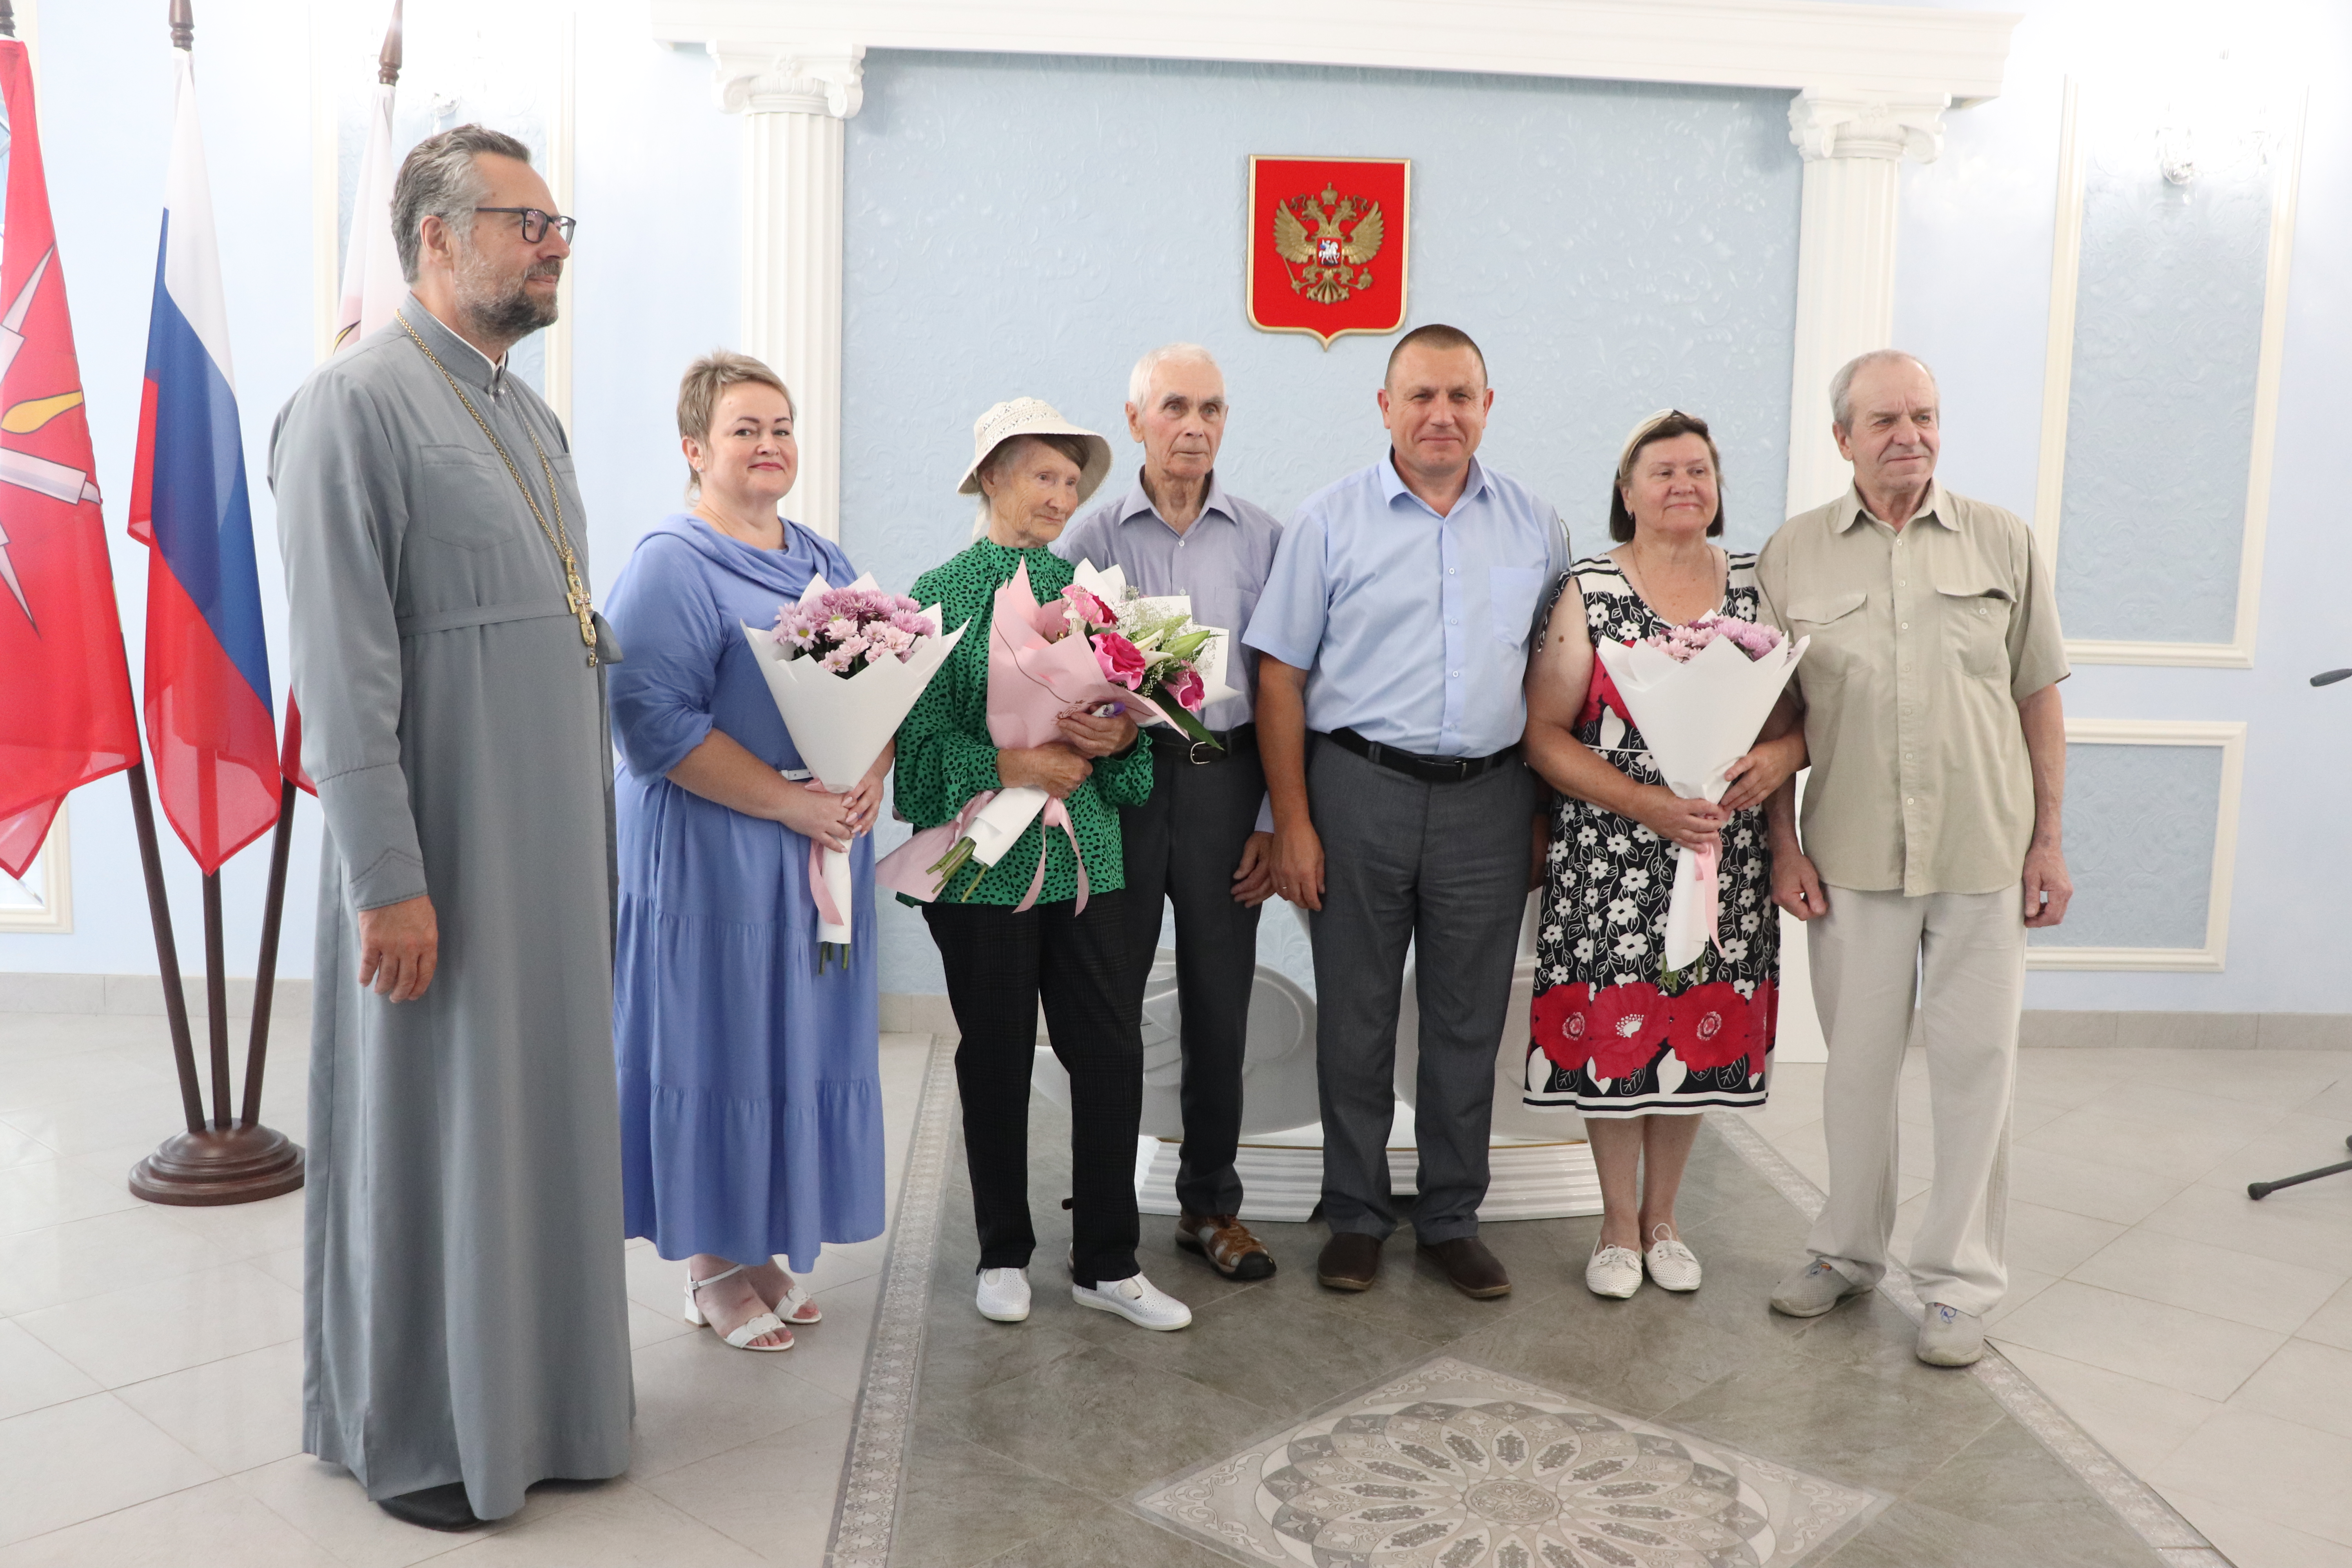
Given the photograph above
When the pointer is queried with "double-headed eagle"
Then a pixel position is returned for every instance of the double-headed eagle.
(1329, 262)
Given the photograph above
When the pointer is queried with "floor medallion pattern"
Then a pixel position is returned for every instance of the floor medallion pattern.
(1457, 1467)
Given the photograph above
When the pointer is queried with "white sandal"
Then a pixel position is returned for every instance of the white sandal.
(763, 1324)
(797, 1309)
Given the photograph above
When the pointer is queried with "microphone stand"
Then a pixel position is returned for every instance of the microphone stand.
(2264, 1189)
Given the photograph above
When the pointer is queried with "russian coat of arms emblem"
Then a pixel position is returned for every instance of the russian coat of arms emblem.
(1328, 245)
(1328, 264)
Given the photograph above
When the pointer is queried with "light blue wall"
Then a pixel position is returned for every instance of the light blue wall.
(2139, 845)
(1021, 224)
(1972, 297)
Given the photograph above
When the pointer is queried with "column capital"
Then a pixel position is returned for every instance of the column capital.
(1829, 124)
(788, 79)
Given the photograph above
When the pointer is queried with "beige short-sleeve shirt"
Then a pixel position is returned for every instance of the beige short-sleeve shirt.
(1923, 641)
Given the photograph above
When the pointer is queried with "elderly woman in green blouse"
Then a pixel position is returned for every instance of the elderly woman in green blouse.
(1032, 470)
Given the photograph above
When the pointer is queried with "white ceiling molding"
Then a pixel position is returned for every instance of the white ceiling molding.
(1904, 52)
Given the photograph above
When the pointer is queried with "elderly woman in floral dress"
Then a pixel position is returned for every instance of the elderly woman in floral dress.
(1638, 1051)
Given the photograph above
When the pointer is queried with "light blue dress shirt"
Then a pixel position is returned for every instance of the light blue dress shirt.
(1221, 561)
(1413, 628)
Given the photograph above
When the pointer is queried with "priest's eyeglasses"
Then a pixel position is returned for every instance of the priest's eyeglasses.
(535, 222)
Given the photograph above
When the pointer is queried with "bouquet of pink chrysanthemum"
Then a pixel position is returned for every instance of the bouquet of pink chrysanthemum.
(1682, 643)
(845, 629)
(844, 666)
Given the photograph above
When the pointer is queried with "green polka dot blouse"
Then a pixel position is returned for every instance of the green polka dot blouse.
(945, 755)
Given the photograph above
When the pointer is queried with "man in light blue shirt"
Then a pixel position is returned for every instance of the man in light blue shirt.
(1199, 840)
(1394, 632)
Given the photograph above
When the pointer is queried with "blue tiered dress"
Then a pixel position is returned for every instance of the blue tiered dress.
(751, 1089)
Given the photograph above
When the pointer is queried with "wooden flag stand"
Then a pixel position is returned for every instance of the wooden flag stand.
(217, 1159)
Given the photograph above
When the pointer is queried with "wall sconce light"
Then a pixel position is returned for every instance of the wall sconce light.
(2176, 151)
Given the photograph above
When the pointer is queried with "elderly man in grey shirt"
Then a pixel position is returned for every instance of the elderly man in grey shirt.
(1202, 838)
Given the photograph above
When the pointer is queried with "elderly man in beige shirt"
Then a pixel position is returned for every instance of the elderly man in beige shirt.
(1930, 837)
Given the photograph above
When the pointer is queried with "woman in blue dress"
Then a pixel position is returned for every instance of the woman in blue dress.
(751, 1092)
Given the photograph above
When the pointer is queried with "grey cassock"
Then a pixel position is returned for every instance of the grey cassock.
(464, 1313)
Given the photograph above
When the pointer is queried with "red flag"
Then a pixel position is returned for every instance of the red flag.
(289, 754)
(67, 717)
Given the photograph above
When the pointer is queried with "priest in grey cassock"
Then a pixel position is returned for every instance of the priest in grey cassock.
(465, 1327)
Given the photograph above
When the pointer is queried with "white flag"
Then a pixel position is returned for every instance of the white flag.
(372, 285)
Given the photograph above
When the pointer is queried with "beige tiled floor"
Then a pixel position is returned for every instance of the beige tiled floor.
(2204, 1338)
(151, 1362)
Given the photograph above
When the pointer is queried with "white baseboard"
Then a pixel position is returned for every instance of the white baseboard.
(135, 996)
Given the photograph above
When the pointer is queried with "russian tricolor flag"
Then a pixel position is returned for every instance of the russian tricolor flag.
(209, 726)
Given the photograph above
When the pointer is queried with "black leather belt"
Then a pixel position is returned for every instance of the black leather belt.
(1238, 742)
(1429, 770)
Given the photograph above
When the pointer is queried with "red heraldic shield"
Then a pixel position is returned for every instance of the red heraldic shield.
(67, 715)
(1328, 239)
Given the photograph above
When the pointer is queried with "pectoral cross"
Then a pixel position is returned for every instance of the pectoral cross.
(575, 599)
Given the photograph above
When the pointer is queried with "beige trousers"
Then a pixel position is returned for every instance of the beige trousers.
(1962, 957)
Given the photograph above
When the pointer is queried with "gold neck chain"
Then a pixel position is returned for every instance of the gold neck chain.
(576, 591)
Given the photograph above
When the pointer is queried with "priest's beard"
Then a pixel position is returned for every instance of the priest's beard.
(500, 307)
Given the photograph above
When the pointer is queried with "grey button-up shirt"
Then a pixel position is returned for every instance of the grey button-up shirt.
(1222, 561)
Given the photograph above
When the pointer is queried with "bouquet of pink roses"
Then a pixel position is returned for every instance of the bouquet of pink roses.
(1699, 694)
(1152, 647)
(1095, 646)
(844, 666)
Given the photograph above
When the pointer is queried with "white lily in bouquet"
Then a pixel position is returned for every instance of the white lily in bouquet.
(1699, 694)
(1098, 646)
(844, 666)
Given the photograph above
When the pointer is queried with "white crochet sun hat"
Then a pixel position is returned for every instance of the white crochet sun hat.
(1021, 417)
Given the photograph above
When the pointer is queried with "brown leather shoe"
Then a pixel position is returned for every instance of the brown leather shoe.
(1226, 1243)
(1350, 1262)
(1475, 1271)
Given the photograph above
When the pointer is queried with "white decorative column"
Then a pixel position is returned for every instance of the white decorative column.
(794, 100)
(1854, 147)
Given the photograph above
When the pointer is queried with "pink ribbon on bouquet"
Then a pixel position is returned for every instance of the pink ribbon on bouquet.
(1055, 815)
(818, 891)
(1706, 866)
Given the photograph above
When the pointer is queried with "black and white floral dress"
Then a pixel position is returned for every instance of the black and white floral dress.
(1615, 1034)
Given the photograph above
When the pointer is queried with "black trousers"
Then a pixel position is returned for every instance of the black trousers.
(999, 967)
(1183, 843)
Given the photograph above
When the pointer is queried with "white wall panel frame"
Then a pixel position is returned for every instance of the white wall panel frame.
(2057, 389)
(51, 872)
(2208, 958)
(327, 79)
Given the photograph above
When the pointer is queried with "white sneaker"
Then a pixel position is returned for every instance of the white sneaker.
(1950, 1337)
(1004, 1295)
(1613, 1271)
(1136, 1300)
(1673, 1265)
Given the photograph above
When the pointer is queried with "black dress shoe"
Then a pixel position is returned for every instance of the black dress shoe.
(1473, 1271)
(1350, 1261)
(434, 1507)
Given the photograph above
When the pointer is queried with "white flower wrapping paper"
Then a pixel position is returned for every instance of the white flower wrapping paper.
(840, 724)
(1698, 718)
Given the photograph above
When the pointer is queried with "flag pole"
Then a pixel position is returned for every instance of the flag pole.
(265, 967)
(167, 949)
(220, 1162)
